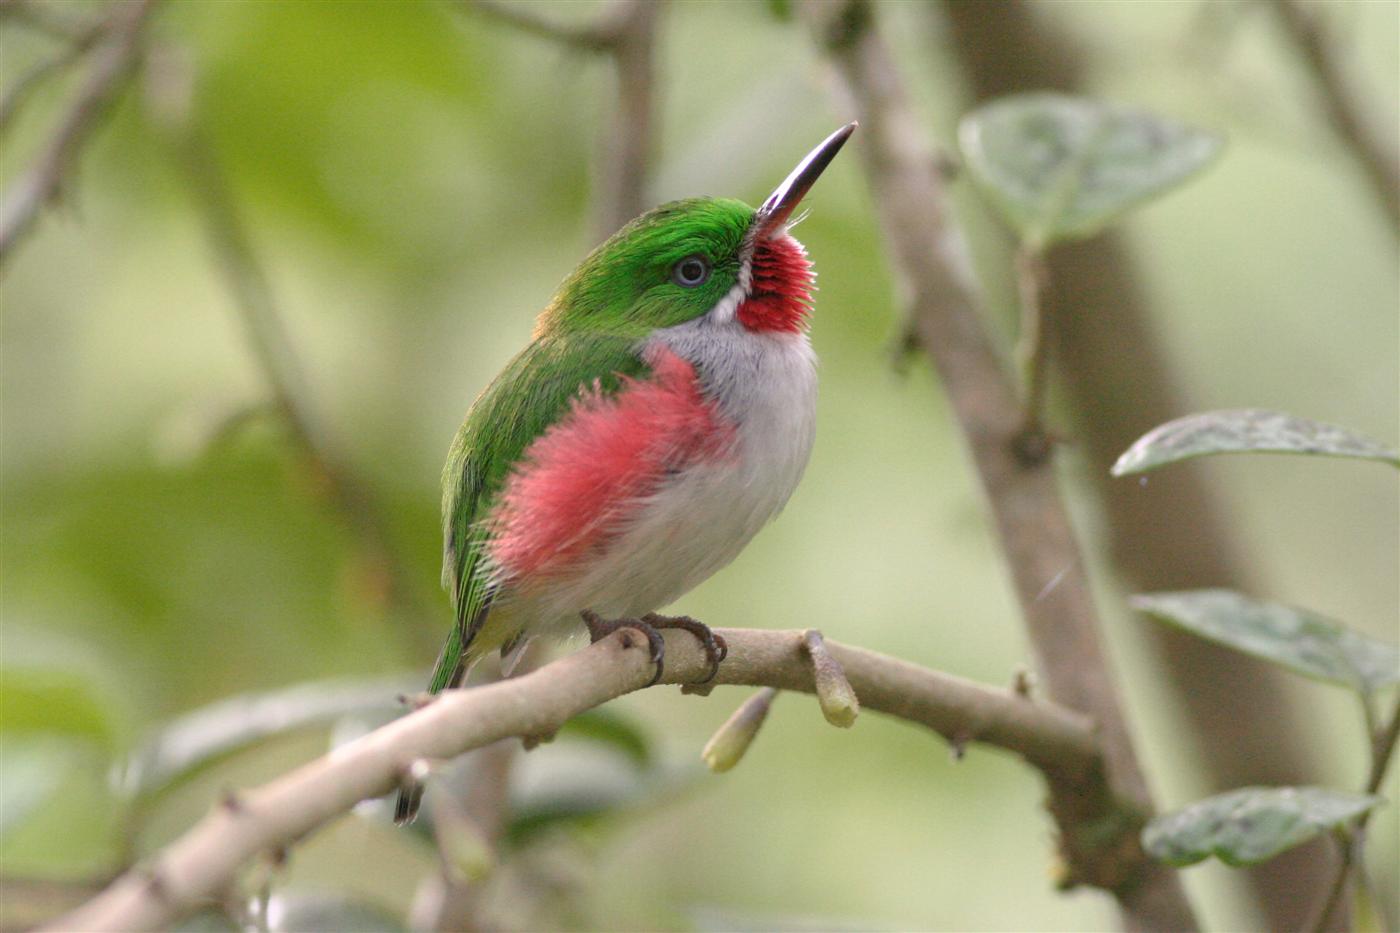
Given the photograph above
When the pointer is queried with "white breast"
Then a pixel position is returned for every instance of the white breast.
(766, 385)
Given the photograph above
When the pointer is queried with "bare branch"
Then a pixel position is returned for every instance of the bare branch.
(597, 36)
(931, 264)
(1382, 741)
(203, 862)
(1377, 158)
(74, 47)
(1117, 377)
(626, 33)
(42, 182)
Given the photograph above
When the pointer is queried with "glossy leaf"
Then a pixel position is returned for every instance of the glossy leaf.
(207, 735)
(1309, 644)
(1251, 825)
(1060, 167)
(1246, 430)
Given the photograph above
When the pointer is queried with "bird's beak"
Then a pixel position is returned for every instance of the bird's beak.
(772, 217)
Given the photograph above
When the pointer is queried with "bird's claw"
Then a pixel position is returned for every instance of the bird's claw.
(648, 625)
(716, 649)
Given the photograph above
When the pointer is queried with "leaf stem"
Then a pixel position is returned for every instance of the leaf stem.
(1031, 280)
(1352, 846)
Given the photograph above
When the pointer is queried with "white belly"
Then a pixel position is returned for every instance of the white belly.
(704, 516)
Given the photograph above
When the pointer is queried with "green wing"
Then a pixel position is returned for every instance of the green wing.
(531, 394)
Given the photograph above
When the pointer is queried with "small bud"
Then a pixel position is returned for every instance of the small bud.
(731, 740)
(838, 701)
(1022, 682)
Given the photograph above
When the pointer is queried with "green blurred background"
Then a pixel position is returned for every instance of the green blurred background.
(416, 181)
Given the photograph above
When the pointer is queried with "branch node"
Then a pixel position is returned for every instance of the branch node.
(698, 690)
(729, 743)
(957, 743)
(155, 884)
(231, 803)
(1032, 446)
(535, 740)
(1022, 682)
(417, 701)
(838, 701)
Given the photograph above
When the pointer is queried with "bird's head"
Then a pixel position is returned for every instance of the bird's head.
(712, 258)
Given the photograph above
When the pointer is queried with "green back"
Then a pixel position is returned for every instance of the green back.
(532, 393)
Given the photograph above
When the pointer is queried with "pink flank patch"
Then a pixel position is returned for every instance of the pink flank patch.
(581, 479)
(780, 297)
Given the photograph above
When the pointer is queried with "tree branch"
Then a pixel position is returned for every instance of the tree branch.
(930, 258)
(1378, 160)
(626, 33)
(1117, 381)
(72, 49)
(1382, 741)
(42, 183)
(204, 862)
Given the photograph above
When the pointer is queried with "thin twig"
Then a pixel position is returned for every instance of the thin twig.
(1376, 157)
(1118, 377)
(596, 36)
(929, 258)
(207, 858)
(72, 51)
(42, 183)
(1031, 351)
(1382, 743)
(626, 33)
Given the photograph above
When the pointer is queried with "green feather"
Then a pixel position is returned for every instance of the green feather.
(532, 393)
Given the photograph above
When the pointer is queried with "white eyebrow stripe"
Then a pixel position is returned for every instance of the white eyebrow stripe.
(727, 307)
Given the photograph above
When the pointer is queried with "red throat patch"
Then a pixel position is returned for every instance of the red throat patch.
(583, 478)
(780, 298)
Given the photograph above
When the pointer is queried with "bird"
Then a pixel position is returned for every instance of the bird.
(661, 415)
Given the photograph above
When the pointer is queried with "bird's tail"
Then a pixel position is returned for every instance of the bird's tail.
(449, 673)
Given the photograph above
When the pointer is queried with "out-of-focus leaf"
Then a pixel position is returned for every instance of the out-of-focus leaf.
(711, 919)
(297, 912)
(582, 787)
(613, 730)
(1302, 641)
(1060, 167)
(31, 769)
(208, 921)
(207, 735)
(50, 700)
(56, 684)
(1246, 430)
(1250, 825)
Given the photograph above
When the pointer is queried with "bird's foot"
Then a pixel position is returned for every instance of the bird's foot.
(715, 648)
(649, 625)
(600, 628)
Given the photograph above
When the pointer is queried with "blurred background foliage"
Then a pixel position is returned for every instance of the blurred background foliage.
(415, 181)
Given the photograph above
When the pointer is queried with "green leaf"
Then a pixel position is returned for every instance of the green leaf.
(207, 735)
(1059, 167)
(31, 769)
(1246, 430)
(1251, 825)
(612, 729)
(1302, 641)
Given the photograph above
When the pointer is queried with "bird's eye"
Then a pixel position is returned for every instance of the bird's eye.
(690, 272)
